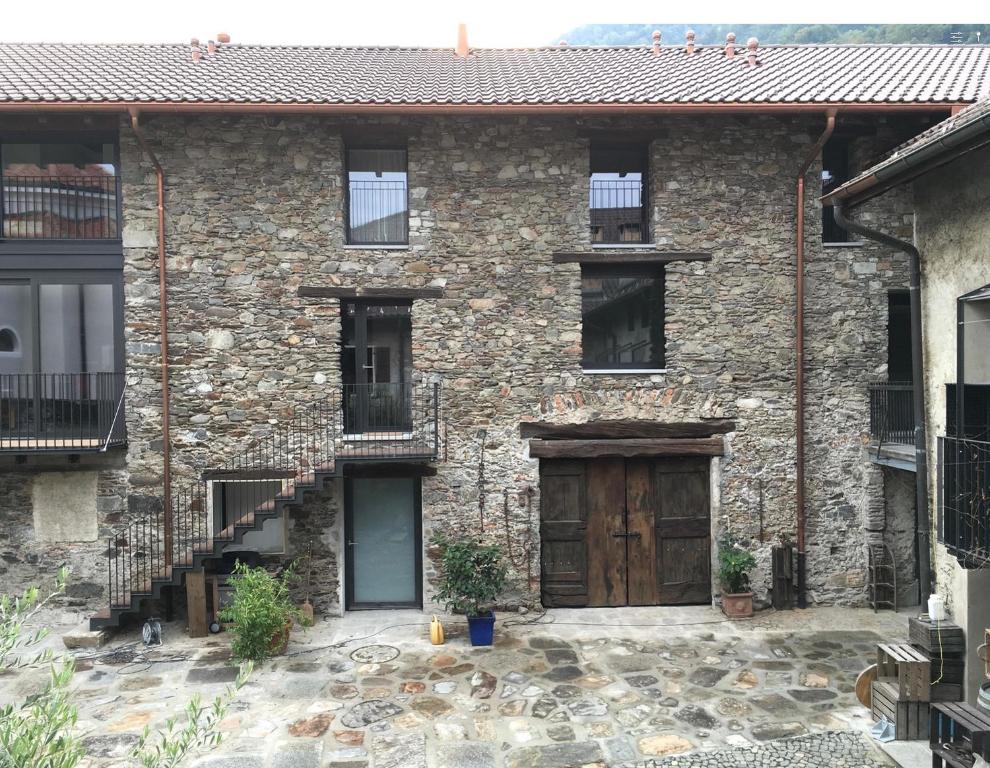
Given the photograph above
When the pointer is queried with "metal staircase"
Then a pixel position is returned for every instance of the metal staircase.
(273, 473)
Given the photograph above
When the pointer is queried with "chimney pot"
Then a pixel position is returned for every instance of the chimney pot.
(751, 47)
(562, 43)
(690, 41)
(462, 42)
(657, 36)
(211, 47)
(730, 45)
(223, 37)
(197, 54)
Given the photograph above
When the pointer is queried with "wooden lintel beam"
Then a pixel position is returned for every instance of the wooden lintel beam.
(626, 448)
(360, 292)
(629, 257)
(625, 428)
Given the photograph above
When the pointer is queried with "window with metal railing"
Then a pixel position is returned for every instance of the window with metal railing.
(377, 197)
(617, 195)
(58, 191)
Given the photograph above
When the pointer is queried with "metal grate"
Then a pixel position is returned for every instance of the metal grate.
(892, 413)
(964, 499)
(60, 207)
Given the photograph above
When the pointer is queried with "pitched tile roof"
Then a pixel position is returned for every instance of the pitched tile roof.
(567, 75)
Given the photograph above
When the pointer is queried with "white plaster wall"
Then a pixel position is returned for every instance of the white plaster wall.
(64, 506)
(952, 231)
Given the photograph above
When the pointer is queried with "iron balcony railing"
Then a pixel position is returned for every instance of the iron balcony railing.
(61, 412)
(617, 212)
(59, 207)
(964, 499)
(378, 212)
(376, 422)
(892, 413)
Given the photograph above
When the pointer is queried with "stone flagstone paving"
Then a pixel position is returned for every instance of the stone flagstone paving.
(543, 696)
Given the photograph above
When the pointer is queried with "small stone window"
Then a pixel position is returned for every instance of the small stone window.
(618, 195)
(8, 340)
(377, 197)
(835, 173)
(622, 312)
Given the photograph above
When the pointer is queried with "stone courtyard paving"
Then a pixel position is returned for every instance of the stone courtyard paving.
(578, 688)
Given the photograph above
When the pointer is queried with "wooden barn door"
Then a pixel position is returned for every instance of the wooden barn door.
(625, 532)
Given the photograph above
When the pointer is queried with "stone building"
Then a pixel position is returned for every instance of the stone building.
(944, 170)
(546, 296)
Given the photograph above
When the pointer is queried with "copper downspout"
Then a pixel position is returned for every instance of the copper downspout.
(799, 362)
(163, 330)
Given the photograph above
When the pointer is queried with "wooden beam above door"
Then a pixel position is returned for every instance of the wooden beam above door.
(625, 428)
(360, 292)
(626, 448)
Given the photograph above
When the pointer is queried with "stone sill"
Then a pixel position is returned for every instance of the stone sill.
(852, 244)
(625, 246)
(349, 247)
(623, 371)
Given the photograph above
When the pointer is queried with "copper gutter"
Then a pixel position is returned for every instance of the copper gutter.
(163, 330)
(799, 362)
(468, 109)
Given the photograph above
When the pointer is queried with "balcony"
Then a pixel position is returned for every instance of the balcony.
(391, 420)
(892, 424)
(964, 499)
(59, 208)
(61, 412)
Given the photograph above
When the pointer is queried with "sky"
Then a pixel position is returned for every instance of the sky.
(425, 22)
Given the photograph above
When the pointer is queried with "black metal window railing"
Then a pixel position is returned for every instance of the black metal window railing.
(617, 211)
(59, 207)
(892, 413)
(964, 499)
(56, 412)
(378, 212)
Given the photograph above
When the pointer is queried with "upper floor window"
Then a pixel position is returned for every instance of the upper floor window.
(59, 190)
(618, 195)
(835, 173)
(622, 313)
(377, 197)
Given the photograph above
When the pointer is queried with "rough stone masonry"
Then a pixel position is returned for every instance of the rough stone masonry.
(255, 209)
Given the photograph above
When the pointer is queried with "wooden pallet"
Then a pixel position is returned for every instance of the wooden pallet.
(940, 638)
(907, 669)
(910, 718)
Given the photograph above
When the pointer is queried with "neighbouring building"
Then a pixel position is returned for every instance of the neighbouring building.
(551, 296)
(945, 170)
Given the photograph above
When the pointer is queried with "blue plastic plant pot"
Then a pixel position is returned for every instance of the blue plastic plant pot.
(482, 629)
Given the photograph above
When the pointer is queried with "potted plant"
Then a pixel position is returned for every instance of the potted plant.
(260, 612)
(472, 575)
(734, 564)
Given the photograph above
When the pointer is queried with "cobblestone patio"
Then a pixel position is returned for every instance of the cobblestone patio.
(579, 688)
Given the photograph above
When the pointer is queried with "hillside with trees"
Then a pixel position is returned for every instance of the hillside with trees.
(710, 34)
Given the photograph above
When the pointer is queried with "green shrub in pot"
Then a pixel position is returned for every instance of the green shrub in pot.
(260, 612)
(472, 576)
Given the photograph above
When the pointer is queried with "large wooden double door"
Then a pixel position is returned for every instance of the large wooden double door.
(625, 531)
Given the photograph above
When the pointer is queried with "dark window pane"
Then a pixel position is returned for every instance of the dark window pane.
(59, 191)
(378, 208)
(617, 195)
(77, 328)
(835, 173)
(611, 302)
(16, 336)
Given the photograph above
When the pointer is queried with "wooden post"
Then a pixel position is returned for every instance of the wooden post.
(196, 603)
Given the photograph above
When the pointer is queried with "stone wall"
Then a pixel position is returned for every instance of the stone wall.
(255, 210)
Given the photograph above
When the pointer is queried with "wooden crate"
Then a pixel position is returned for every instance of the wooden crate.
(962, 725)
(940, 638)
(910, 718)
(907, 669)
(946, 692)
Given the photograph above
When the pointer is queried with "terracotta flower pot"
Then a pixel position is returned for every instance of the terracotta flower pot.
(280, 640)
(738, 606)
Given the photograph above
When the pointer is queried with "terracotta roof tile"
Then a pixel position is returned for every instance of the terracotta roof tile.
(814, 74)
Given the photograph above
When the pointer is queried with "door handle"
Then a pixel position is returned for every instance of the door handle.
(635, 535)
(352, 543)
